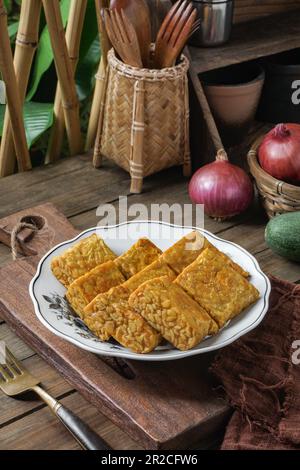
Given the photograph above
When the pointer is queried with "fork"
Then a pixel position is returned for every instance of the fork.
(195, 27)
(123, 37)
(174, 32)
(16, 380)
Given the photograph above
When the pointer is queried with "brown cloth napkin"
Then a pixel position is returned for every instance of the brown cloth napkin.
(261, 378)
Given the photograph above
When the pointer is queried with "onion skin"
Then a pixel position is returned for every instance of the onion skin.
(224, 189)
(279, 153)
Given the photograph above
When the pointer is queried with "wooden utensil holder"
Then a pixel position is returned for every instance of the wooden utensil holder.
(144, 119)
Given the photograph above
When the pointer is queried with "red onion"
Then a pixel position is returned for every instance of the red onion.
(279, 152)
(224, 189)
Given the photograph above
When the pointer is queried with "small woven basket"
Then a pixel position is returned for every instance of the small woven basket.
(144, 121)
(277, 196)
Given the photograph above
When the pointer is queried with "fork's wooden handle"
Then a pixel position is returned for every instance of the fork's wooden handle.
(83, 434)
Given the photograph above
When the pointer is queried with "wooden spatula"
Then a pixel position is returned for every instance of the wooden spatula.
(174, 33)
(138, 13)
(123, 37)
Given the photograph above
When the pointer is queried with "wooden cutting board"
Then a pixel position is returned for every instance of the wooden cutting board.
(160, 405)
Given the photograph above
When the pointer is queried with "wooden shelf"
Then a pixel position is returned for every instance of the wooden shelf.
(252, 40)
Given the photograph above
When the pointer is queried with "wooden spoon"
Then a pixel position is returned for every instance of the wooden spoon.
(138, 13)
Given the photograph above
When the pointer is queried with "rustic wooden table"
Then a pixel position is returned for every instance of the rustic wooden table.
(77, 190)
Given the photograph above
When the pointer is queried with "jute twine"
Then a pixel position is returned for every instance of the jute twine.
(14, 236)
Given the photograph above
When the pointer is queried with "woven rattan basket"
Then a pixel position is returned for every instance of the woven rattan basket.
(144, 123)
(277, 196)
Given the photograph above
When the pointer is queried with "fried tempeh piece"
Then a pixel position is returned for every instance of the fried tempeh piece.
(99, 314)
(218, 288)
(107, 275)
(100, 279)
(228, 261)
(156, 269)
(80, 258)
(140, 255)
(109, 314)
(187, 250)
(113, 317)
(168, 309)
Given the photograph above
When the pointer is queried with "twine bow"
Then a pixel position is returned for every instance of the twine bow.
(14, 236)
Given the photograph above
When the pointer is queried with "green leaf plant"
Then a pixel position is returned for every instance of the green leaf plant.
(38, 116)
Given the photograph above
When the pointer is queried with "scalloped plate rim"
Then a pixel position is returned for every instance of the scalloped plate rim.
(125, 353)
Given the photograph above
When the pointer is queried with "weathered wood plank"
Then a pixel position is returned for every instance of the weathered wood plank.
(42, 430)
(19, 348)
(5, 255)
(73, 185)
(175, 192)
(12, 409)
(246, 10)
(249, 234)
(251, 40)
(278, 266)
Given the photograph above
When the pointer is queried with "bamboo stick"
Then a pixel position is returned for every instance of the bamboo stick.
(26, 43)
(105, 43)
(187, 163)
(202, 99)
(14, 102)
(73, 37)
(97, 157)
(64, 70)
(137, 138)
(100, 76)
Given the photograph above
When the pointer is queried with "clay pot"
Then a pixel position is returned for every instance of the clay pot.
(280, 101)
(233, 94)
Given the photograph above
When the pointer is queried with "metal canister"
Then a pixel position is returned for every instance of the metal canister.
(216, 22)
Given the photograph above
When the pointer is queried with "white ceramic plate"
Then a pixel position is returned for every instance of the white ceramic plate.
(53, 311)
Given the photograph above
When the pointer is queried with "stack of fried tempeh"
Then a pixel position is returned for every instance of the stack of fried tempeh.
(184, 294)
